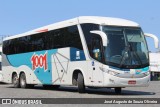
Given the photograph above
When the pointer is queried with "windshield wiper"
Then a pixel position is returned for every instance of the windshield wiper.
(135, 53)
(124, 56)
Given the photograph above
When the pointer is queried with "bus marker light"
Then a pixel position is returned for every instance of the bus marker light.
(42, 30)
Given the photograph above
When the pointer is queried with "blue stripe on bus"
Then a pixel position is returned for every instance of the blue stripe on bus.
(142, 70)
(138, 71)
(45, 77)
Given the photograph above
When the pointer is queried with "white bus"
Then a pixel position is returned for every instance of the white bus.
(87, 51)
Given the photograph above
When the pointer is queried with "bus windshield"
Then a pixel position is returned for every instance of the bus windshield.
(126, 47)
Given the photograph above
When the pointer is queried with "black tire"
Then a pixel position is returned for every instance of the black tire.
(23, 83)
(118, 90)
(81, 86)
(15, 81)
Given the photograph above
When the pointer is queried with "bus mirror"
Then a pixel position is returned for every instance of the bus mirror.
(156, 41)
(103, 36)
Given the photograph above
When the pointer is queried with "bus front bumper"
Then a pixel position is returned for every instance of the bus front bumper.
(114, 81)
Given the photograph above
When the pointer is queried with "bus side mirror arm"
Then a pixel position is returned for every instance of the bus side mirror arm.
(103, 36)
(156, 41)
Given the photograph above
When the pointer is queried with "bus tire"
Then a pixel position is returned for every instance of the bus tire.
(118, 90)
(23, 83)
(81, 86)
(15, 81)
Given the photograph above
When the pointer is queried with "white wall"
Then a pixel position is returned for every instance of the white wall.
(155, 62)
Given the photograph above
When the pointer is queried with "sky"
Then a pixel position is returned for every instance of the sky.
(19, 16)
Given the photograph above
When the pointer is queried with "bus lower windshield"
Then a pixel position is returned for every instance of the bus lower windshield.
(126, 47)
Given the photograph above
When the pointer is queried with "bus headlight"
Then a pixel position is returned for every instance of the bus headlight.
(146, 73)
(109, 71)
(112, 72)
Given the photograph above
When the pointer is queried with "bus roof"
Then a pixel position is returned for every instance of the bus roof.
(79, 20)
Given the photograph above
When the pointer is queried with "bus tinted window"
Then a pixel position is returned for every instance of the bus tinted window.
(60, 38)
(86, 30)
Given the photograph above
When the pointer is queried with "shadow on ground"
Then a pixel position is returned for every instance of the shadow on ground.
(2, 83)
(101, 91)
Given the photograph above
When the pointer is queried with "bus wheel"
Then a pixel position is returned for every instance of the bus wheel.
(81, 86)
(15, 81)
(118, 90)
(23, 82)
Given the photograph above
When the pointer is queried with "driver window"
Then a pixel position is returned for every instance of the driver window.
(96, 48)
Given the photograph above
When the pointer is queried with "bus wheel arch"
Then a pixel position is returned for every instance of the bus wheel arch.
(78, 80)
(21, 73)
(75, 76)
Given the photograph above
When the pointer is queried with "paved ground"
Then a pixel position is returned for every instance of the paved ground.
(153, 91)
(7, 91)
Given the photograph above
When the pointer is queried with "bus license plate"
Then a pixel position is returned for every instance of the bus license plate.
(132, 82)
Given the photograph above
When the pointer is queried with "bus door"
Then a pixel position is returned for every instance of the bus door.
(97, 55)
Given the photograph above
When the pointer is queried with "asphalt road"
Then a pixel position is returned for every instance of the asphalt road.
(152, 91)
